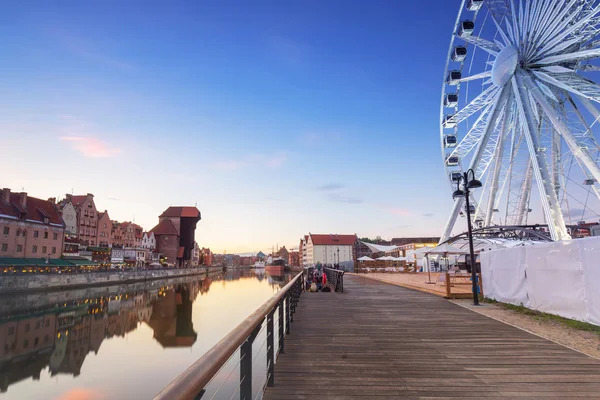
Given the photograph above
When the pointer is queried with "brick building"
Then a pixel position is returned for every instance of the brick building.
(175, 234)
(294, 257)
(87, 218)
(206, 256)
(104, 238)
(29, 227)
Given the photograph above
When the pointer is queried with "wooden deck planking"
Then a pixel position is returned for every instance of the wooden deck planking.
(378, 340)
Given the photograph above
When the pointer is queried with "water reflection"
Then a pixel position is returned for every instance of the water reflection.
(37, 333)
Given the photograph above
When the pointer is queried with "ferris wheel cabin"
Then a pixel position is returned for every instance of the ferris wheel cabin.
(452, 161)
(451, 100)
(454, 77)
(466, 28)
(449, 121)
(450, 141)
(474, 5)
(459, 54)
(455, 176)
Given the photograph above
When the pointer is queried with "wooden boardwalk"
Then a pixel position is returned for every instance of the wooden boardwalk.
(377, 340)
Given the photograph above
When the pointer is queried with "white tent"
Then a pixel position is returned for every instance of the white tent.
(377, 248)
(386, 258)
(365, 258)
(446, 248)
(419, 252)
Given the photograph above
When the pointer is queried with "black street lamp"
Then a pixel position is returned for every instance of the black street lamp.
(338, 263)
(467, 185)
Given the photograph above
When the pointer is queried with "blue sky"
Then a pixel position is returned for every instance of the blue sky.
(277, 119)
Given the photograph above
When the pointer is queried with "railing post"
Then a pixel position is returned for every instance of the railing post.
(287, 313)
(448, 286)
(246, 366)
(281, 338)
(270, 350)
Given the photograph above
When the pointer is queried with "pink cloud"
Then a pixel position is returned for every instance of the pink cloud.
(82, 394)
(91, 147)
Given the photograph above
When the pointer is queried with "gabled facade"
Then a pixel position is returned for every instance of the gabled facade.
(104, 238)
(87, 218)
(149, 241)
(29, 227)
(330, 249)
(69, 215)
(175, 234)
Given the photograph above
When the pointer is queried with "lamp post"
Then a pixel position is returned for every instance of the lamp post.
(338, 263)
(467, 185)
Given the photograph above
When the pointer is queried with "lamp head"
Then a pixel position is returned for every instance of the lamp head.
(458, 193)
(474, 184)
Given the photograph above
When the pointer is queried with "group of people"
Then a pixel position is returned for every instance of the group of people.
(316, 280)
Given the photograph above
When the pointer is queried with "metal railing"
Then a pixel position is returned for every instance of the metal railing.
(335, 279)
(193, 383)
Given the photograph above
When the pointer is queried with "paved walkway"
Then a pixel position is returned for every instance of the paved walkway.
(378, 340)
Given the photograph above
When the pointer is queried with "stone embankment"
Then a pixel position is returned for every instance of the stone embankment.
(40, 282)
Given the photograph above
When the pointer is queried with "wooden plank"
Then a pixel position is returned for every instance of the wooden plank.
(378, 340)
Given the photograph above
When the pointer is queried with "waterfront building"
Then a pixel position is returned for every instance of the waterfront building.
(149, 241)
(29, 227)
(206, 256)
(87, 218)
(175, 234)
(117, 256)
(330, 249)
(284, 254)
(69, 215)
(302, 254)
(195, 254)
(294, 257)
(104, 238)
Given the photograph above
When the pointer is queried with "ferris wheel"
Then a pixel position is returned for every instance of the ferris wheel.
(520, 108)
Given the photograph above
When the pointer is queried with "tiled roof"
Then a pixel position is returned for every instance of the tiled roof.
(332, 240)
(165, 227)
(35, 209)
(191, 212)
(78, 200)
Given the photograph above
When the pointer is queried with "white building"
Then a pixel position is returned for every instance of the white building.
(117, 256)
(329, 249)
(196, 254)
(149, 241)
(69, 216)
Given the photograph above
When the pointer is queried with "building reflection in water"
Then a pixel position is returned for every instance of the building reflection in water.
(59, 337)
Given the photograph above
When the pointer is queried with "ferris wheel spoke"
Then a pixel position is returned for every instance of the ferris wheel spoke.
(483, 44)
(541, 20)
(482, 75)
(572, 83)
(580, 152)
(548, 197)
(481, 101)
(575, 56)
(555, 27)
(495, 176)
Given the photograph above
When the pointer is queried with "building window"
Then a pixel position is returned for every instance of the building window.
(35, 342)
(46, 235)
(47, 323)
(44, 249)
(36, 234)
(34, 249)
(54, 250)
(104, 226)
(26, 327)
(4, 247)
(54, 236)
(37, 325)
(11, 330)
(19, 248)
(6, 230)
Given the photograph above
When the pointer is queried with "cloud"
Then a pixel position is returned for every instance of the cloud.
(330, 186)
(253, 161)
(427, 215)
(113, 199)
(82, 394)
(338, 198)
(91, 147)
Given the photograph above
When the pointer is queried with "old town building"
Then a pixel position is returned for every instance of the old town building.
(149, 241)
(87, 218)
(29, 227)
(175, 234)
(104, 230)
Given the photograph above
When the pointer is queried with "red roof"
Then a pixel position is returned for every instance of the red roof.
(165, 227)
(35, 209)
(190, 212)
(332, 240)
(78, 200)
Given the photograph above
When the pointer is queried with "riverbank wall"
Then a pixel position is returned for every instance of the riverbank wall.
(44, 282)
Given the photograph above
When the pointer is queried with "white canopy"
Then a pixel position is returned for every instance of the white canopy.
(377, 248)
(387, 258)
(365, 258)
(420, 252)
(447, 249)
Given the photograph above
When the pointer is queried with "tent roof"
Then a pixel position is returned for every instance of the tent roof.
(365, 258)
(378, 248)
(447, 249)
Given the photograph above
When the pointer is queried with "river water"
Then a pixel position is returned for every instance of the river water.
(124, 342)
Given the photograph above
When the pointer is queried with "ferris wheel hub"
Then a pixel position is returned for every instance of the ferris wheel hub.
(505, 65)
